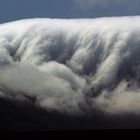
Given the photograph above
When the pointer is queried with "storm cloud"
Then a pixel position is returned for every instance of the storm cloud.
(72, 66)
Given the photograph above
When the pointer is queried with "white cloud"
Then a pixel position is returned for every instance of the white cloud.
(72, 66)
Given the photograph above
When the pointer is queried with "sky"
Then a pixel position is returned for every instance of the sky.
(11, 10)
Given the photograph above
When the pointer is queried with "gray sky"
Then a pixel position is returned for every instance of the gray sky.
(18, 9)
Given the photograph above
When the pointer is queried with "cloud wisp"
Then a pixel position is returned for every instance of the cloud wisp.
(89, 4)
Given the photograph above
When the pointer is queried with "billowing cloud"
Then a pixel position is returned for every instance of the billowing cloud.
(72, 66)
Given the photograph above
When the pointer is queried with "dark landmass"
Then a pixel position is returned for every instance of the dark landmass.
(17, 116)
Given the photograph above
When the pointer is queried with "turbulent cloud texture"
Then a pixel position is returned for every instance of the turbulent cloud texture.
(72, 66)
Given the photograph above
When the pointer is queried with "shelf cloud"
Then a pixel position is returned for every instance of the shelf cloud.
(72, 66)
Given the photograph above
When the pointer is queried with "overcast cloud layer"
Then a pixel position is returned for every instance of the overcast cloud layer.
(72, 66)
(89, 4)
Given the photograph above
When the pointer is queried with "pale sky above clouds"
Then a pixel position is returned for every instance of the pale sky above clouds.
(20, 9)
(89, 4)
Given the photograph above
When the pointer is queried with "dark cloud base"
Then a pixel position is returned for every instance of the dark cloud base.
(17, 116)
